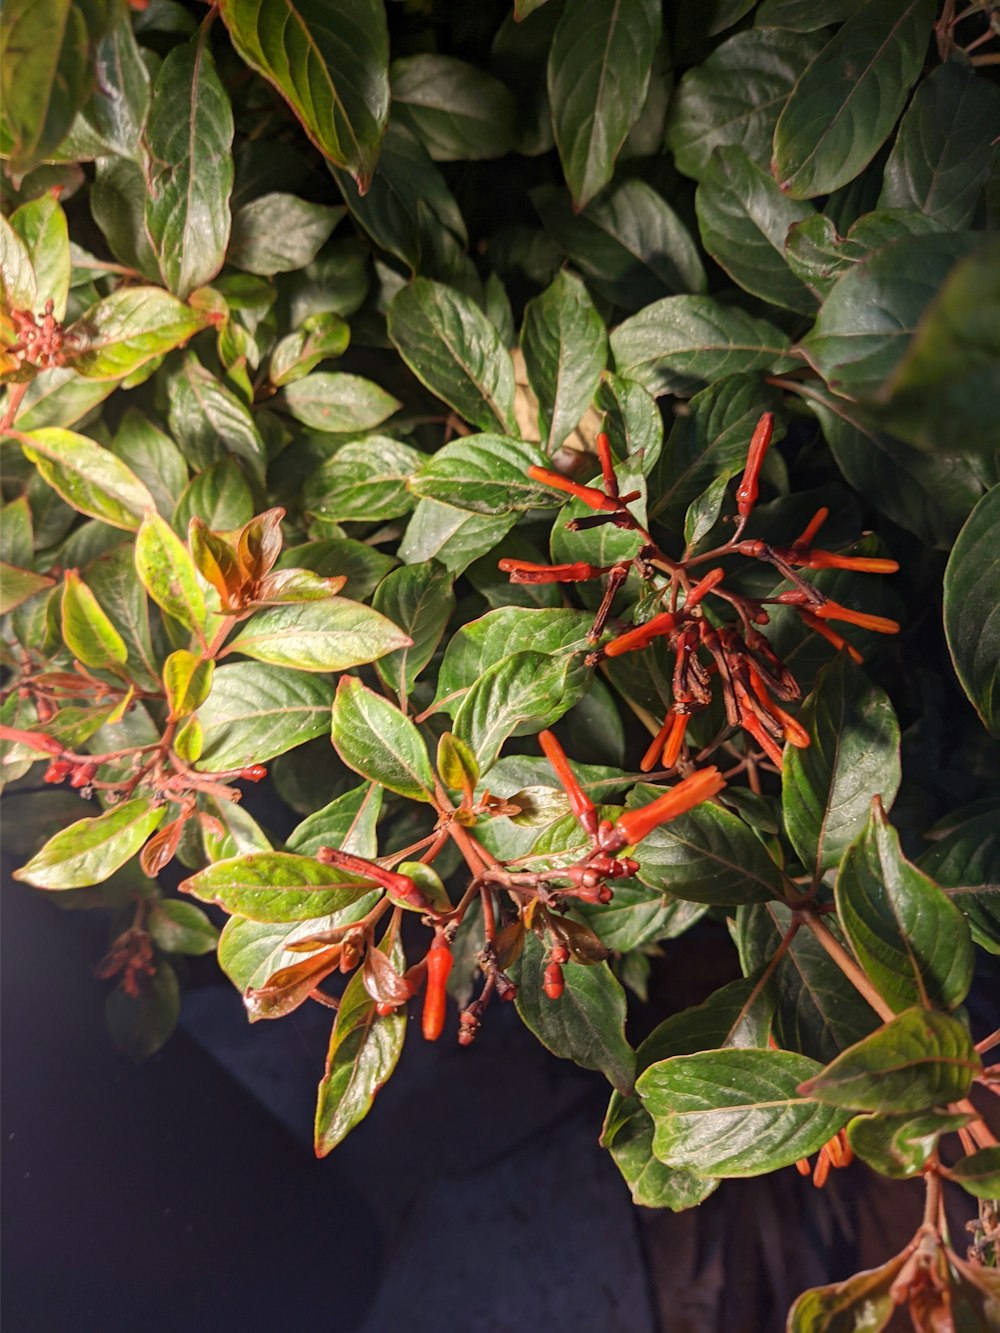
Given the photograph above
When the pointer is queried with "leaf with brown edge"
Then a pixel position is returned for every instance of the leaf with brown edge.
(290, 987)
(382, 982)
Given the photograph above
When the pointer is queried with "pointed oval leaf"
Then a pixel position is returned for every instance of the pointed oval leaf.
(333, 401)
(129, 328)
(900, 1146)
(487, 474)
(365, 481)
(420, 600)
(972, 609)
(88, 477)
(374, 738)
(259, 711)
(863, 1301)
(276, 886)
(187, 679)
(329, 635)
(87, 632)
(279, 233)
(329, 59)
(167, 572)
(565, 349)
(90, 850)
(460, 113)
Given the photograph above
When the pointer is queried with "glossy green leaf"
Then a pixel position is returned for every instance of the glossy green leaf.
(209, 422)
(189, 135)
(181, 928)
(819, 255)
(129, 328)
(940, 159)
(348, 822)
(708, 855)
(853, 755)
(153, 457)
(460, 113)
(329, 60)
(844, 105)
(279, 233)
(910, 939)
(967, 860)
(119, 105)
(276, 886)
(918, 1060)
(374, 738)
(517, 696)
(900, 1146)
(735, 1112)
(322, 336)
(632, 420)
(453, 537)
(866, 323)
(419, 599)
(167, 572)
(972, 609)
(598, 72)
(90, 850)
(628, 243)
(736, 95)
(329, 635)
(565, 349)
(187, 679)
(682, 342)
(18, 585)
(487, 474)
(87, 632)
(364, 1048)
(17, 273)
(586, 1024)
(88, 477)
(454, 350)
(365, 481)
(979, 1173)
(862, 1301)
(41, 225)
(744, 219)
(331, 401)
(259, 711)
(140, 1024)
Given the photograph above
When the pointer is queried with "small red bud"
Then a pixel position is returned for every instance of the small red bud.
(83, 775)
(253, 772)
(553, 983)
(58, 771)
(559, 954)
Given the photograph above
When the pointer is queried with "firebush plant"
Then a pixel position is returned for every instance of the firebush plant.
(586, 418)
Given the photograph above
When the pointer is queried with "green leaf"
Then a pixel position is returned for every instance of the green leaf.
(942, 392)
(454, 537)
(586, 1024)
(339, 557)
(129, 328)
(817, 1014)
(332, 401)
(189, 135)
(88, 477)
(330, 635)
(364, 1048)
(419, 599)
(119, 105)
(181, 928)
(87, 632)
(153, 457)
(454, 350)
(979, 1173)
(900, 1146)
(323, 335)
(279, 233)
(628, 243)
(853, 755)
(941, 157)
(167, 572)
(363, 482)
(704, 510)
(456, 764)
(517, 696)
(598, 72)
(972, 609)
(736, 95)
(460, 113)
(18, 585)
(112, 580)
(90, 850)
(276, 886)
(918, 1060)
(209, 422)
(846, 103)
(632, 420)
(329, 60)
(967, 859)
(735, 1112)
(17, 273)
(259, 711)
(45, 72)
(565, 349)
(910, 939)
(41, 225)
(863, 1302)
(681, 342)
(140, 1024)
(744, 219)
(348, 822)
(487, 474)
(706, 856)
(819, 255)
(707, 442)
(374, 738)
(867, 322)
(187, 679)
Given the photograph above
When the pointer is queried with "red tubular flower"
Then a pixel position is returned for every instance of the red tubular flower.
(439, 961)
(795, 733)
(634, 825)
(607, 464)
(642, 635)
(877, 624)
(523, 571)
(668, 742)
(400, 886)
(589, 495)
(580, 803)
(814, 559)
(808, 534)
(830, 635)
(746, 492)
(751, 724)
(704, 586)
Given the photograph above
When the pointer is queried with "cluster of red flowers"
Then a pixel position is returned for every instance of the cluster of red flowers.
(735, 657)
